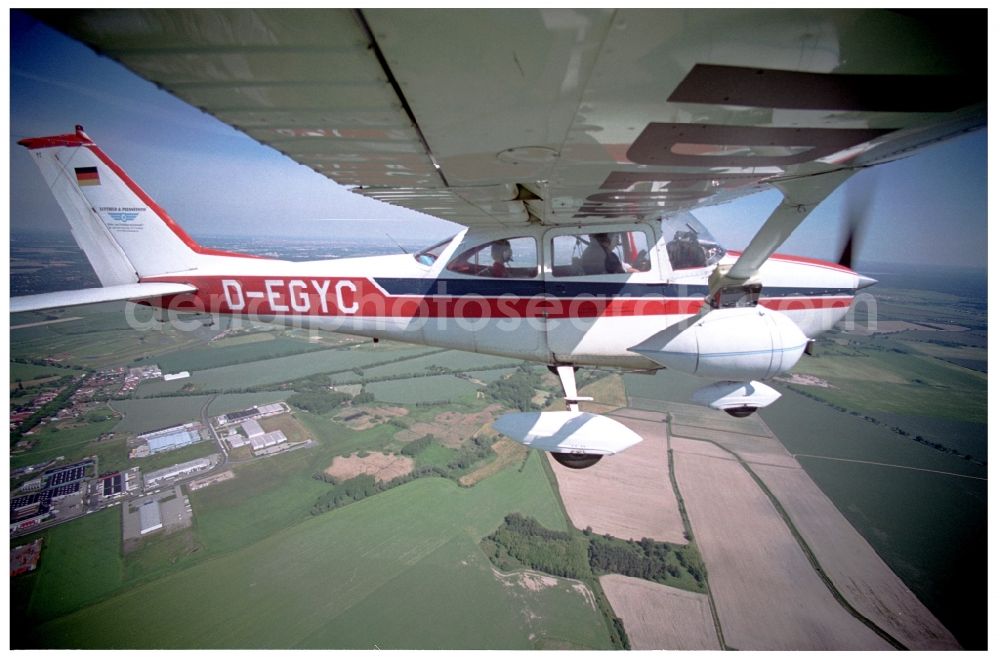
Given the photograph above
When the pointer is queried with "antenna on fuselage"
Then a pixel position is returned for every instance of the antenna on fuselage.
(405, 251)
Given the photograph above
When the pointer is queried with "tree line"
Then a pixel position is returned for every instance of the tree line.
(522, 541)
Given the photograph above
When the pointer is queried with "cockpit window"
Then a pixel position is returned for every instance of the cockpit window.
(689, 244)
(507, 257)
(600, 253)
(430, 255)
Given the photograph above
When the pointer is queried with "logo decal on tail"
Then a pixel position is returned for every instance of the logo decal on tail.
(123, 214)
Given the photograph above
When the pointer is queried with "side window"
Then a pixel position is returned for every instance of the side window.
(509, 257)
(600, 253)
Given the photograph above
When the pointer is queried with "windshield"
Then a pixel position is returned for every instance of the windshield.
(689, 244)
(428, 256)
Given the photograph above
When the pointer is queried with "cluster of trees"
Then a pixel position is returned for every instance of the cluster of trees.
(517, 390)
(417, 446)
(646, 559)
(475, 451)
(523, 541)
(346, 491)
(314, 394)
(318, 402)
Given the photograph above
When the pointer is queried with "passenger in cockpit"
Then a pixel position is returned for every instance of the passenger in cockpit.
(600, 257)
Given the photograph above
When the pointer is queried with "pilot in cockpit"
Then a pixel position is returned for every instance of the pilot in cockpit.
(502, 254)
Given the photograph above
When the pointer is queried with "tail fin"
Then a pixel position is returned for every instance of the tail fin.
(125, 234)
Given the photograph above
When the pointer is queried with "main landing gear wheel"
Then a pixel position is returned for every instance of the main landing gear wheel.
(576, 461)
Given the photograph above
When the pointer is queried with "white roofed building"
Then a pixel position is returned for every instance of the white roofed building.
(267, 440)
(252, 428)
(149, 518)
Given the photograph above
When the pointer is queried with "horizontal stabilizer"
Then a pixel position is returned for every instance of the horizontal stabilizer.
(138, 291)
(568, 432)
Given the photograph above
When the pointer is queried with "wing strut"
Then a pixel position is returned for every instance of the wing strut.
(567, 377)
(801, 196)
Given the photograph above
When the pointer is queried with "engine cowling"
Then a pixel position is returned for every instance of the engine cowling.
(742, 343)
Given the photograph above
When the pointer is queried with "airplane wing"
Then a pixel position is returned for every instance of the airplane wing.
(138, 291)
(565, 116)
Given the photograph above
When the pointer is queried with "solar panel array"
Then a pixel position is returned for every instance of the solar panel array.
(112, 485)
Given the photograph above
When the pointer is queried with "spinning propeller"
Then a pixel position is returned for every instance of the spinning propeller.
(857, 208)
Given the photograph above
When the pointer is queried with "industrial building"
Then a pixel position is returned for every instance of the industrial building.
(236, 440)
(172, 438)
(266, 440)
(252, 428)
(156, 478)
(55, 484)
(163, 512)
(251, 413)
(24, 558)
(149, 517)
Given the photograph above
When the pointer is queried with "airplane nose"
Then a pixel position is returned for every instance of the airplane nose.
(865, 282)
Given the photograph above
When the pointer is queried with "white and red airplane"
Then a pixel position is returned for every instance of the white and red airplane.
(574, 178)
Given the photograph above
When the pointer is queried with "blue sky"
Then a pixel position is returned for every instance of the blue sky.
(928, 209)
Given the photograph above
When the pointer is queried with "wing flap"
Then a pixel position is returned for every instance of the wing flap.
(138, 291)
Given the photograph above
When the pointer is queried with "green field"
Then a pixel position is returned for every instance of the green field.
(277, 370)
(27, 372)
(144, 415)
(805, 426)
(73, 443)
(81, 563)
(399, 570)
(234, 352)
(445, 360)
(427, 389)
(889, 381)
(102, 338)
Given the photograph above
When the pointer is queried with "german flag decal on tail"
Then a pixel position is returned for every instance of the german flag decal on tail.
(87, 176)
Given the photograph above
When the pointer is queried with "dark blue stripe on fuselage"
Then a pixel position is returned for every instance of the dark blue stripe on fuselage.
(492, 288)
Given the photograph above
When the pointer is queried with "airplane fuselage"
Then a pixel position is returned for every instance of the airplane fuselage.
(573, 319)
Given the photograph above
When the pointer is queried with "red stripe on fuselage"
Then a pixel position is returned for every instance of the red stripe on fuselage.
(806, 261)
(360, 297)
